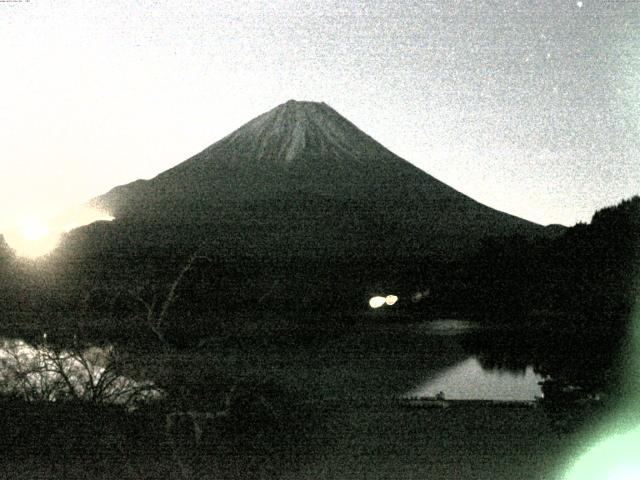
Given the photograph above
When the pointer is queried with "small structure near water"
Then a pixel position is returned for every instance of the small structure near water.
(562, 392)
(437, 401)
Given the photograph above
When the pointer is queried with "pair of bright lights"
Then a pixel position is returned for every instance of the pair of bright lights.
(377, 302)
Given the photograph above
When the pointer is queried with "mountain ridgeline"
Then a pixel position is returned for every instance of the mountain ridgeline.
(301, 181)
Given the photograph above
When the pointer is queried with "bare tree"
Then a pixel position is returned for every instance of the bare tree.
(155, 312)
(92, 374)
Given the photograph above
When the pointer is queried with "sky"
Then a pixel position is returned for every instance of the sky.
(530, 107)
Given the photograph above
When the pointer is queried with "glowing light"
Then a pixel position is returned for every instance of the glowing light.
(391, 299)
(377, 302)
(34, 237)
(33, 228)
(82, 216)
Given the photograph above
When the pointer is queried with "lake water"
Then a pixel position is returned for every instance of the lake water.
(350, 440)
(369, 359)
(411, 360)
(469, 381)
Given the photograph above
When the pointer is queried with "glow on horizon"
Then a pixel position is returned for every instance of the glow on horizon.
(32, 229)
(34, 237)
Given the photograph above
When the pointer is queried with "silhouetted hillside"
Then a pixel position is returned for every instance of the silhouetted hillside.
(5, 251)
(10, 281)
(589, 274)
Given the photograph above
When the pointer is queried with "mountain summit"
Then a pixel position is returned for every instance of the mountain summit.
(302, 180)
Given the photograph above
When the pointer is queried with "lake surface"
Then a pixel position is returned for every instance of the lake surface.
(336, 439)
(469, 381)
(411, 360)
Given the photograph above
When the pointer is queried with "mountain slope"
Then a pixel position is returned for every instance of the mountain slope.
(301, 180)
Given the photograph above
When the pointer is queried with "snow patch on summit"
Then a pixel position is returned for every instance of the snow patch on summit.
(285, 133)
(297, 141)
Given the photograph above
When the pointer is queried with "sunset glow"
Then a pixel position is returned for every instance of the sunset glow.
(35, 236)
(33, 229)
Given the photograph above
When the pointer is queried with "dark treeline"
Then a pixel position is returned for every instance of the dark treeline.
(10, 276)
(574, 294)
(582, 277)
(586, 276)
(6, 261)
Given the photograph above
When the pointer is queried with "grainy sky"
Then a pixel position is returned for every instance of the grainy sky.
(531, 107)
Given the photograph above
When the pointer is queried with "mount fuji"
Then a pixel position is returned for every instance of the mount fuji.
(302, 181)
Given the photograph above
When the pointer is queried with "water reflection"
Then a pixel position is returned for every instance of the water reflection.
(43, 373)
(447, 327)
(586, 359)
(470, 381)
(507, 363)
